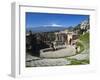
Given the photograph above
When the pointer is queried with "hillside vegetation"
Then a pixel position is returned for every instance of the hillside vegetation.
(85, 39)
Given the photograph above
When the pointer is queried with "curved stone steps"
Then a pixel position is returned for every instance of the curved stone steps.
(48, 62)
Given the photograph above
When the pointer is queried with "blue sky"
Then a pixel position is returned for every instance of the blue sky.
(47, 19)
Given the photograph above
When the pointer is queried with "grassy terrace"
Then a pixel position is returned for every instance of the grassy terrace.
(84, 37)
(78, 62)
(85, 40)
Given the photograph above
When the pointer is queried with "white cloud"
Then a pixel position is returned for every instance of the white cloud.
(54, 25)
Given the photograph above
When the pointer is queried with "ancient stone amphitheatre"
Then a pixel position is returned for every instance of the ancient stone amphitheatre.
(57, 45)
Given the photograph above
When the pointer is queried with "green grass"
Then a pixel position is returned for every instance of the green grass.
(84, 38)
(78, 62)
(81, 47)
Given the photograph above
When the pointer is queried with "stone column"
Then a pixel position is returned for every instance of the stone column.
(56, 37)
